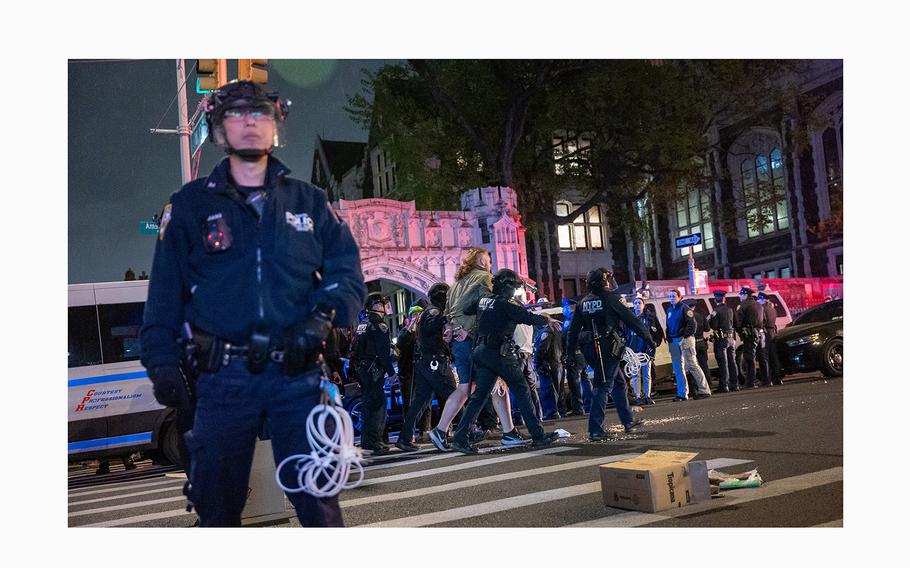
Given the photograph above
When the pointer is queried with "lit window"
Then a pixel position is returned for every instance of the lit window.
(763, 194)
(569, 150)
(585, 232)
(693, 215)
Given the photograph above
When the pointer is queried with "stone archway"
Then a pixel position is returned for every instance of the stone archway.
(398, 271)
(416, 249)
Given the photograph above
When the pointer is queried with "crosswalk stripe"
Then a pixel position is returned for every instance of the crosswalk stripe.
(767, 490)
(126, 506)
(838, 523)
(177, 487)
(139, 519)
(423, 491)
(444, 456)
(500, 505)
(466, 465)
(495, 506)
(173, 482)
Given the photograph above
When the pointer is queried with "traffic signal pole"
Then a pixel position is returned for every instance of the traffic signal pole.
(183, 128)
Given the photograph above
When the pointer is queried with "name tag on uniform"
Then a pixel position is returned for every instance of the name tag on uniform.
(300, 221)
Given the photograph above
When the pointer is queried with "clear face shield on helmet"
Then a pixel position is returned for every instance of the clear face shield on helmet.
(245, 104)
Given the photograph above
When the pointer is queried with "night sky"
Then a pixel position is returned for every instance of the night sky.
(119, 174)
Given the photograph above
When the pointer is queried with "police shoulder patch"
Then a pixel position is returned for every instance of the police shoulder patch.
(690, 313)
(165, 219)
(383, 328)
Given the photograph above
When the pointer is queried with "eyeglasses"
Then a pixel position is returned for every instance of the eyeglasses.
(242, 113)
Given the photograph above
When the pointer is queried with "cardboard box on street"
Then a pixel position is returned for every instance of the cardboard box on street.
(654, 481)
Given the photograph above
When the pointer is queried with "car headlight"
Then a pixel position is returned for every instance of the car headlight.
(803, 340)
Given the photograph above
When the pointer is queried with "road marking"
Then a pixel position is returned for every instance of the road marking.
(767, 490)
(127, 495)
(127, 506)
(837, 523)
(465, 465)
(423, 491)
(139, 519)
(443, 456)
(500, 505)
(122, 487)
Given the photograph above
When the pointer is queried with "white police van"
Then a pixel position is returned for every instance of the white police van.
(111, 408)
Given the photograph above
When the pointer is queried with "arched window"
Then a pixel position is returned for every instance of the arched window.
(763, 194)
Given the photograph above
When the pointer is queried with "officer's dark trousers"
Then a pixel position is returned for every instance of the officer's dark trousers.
(575, 366)
(372, 381)
(750, 347)
(725, 353)
(488, 364)
(232, 407)
(406, 378)
(764, 367)
(549, 397)
(426, 383)
(768, 365)
(607, 382)
(701, 354)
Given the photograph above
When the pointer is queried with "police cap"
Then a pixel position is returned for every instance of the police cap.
(746, 290)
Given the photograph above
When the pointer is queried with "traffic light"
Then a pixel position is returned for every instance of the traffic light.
(207, 75)
(255, 70)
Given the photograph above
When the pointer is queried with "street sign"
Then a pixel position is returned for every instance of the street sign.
(148, 227)
(688, 240)
(198, 135)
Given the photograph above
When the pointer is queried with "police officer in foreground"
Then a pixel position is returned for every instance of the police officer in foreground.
(749, 322)
(768, 364)
(432, 365)
(255, 267)
(599, 327)
(371, 356)
(721, 322)
(496, 354)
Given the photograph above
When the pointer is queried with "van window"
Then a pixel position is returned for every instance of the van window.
(775, 301)
(120, 325)
(84, 344)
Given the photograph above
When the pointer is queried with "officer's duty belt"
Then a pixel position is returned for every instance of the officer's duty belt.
(215, 352)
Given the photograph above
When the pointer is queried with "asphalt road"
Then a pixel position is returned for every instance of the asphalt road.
(793, 435)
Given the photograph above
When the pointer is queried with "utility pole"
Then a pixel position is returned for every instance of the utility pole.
(183, 129)
(691, 272)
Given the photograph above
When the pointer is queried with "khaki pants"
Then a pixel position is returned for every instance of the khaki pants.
(682, 353)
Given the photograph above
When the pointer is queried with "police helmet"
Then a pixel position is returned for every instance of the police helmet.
(438, 293)
(600, 279)
(374, 298)
(505, 283)
(244, 95)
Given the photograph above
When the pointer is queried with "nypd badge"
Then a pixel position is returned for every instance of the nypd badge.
(165, 219)
(690, 313)
(300, 221)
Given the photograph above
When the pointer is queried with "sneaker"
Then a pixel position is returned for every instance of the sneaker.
(466, 449)
(477, 436)
(634, 426)
(513, 438)
(406, 446)
(548, 439)
(439, 440)
(679, 398)
(635, 402)
(701, 396)
(600, 436)
(649, 402)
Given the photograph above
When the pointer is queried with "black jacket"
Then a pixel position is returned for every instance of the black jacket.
(749, 314)
(371, 344)
(224, 270)
(606, 311)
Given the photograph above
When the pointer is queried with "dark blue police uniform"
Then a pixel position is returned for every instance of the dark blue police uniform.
(230, 262)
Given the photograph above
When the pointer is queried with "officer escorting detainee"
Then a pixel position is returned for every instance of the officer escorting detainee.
(255, 267)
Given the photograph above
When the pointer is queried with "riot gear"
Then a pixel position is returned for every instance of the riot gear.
(240, 98)
(505, 282)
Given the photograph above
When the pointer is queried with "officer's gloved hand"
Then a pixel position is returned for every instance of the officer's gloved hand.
(169, 386)
(305, 339)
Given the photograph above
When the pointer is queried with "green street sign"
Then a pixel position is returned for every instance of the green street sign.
(148, 227)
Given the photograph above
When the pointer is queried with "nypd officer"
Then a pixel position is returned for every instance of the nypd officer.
(432, 364)
(768, 364)
(371, 355)
(598, 328)
(749, 322)
(681, 328)
(496, 354)
(721, 322)
(255, 267)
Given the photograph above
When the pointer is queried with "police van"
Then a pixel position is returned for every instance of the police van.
(702, 303)
(111, 409)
